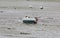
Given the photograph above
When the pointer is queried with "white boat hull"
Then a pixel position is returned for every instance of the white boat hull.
(29, 20)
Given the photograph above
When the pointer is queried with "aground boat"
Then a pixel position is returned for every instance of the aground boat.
(30, 20)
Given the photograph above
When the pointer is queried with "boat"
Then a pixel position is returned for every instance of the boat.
(30, 20)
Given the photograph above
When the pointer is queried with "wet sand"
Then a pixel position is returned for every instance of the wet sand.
(11, 25)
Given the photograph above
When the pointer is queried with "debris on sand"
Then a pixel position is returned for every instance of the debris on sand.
(30, 6)
(41, 7)
(1, 11)
(24, 33)
(8, 28)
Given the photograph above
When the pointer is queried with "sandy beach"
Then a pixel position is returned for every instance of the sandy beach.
(12, 12)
